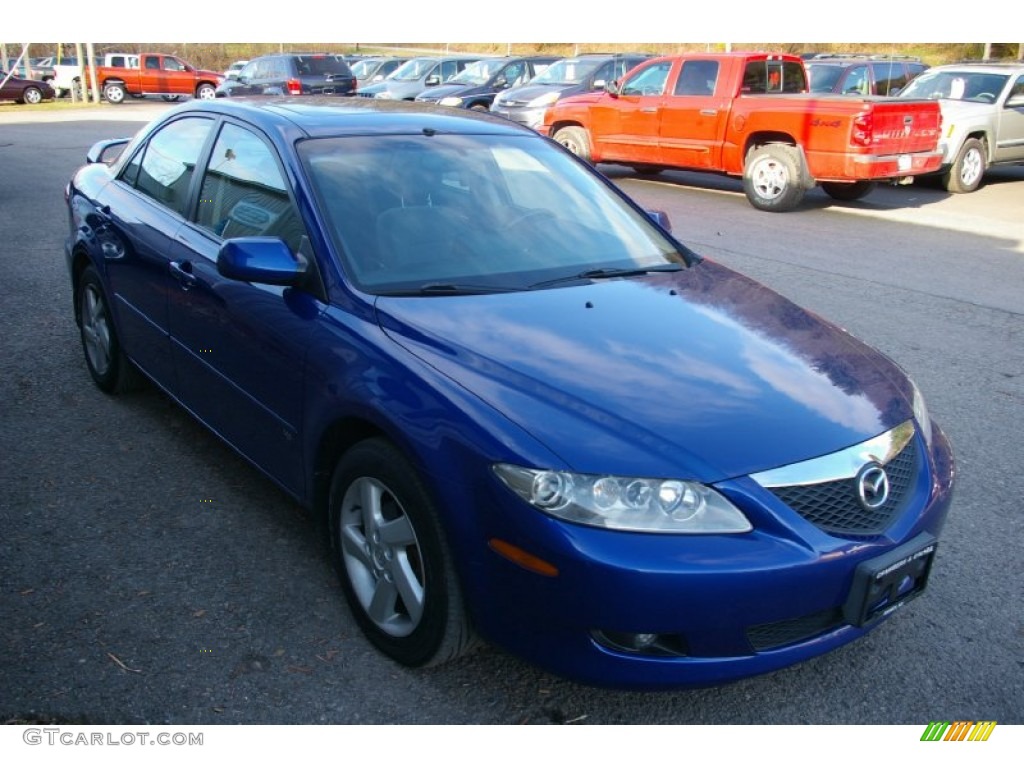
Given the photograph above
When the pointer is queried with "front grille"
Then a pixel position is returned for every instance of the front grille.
(835, 508)
(764, 637)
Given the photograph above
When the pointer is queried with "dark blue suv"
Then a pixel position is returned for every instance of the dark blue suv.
(477, 85)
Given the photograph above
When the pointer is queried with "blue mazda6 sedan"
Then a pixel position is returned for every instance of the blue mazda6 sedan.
(521, 409)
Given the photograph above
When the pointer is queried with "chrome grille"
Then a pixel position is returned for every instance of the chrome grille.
(835, 508)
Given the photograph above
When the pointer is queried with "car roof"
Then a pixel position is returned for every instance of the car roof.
(320, 117)
(1000, 67)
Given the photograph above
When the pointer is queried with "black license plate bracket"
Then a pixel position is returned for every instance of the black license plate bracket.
(886, 583)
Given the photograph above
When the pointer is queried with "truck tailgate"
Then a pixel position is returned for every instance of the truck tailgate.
(903, 125)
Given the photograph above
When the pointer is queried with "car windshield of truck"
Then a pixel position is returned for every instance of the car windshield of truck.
(446, 213)
(362, 69)
(478, 73)
(957, 85)
(566, 72)
(414, 69)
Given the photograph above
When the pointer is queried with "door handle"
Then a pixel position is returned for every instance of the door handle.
(709, 112)
(182, 272)
(649, 109)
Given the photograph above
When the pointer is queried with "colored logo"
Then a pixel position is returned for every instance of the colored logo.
(961, 730)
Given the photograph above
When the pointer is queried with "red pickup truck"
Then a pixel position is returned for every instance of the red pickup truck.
(156, 74)
(749, 115)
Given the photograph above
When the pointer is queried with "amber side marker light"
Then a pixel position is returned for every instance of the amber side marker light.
(522, 558)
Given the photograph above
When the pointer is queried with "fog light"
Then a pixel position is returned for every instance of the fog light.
(642, 643)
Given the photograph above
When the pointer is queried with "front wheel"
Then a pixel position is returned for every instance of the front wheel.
(968, 168)
(390, 552)
(32, 95)
(575, 139)
(847, 192)
(114, 93)
(773, 178)
(109, 367)
(206, 91)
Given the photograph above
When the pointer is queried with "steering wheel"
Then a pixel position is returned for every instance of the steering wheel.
(986, 96)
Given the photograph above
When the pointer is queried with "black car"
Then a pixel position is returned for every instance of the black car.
(295, 74)
(866, 75)
(477, 85)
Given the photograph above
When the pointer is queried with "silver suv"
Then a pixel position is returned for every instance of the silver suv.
(982, 117)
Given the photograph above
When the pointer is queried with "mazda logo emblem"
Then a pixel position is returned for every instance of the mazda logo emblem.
(872, 486)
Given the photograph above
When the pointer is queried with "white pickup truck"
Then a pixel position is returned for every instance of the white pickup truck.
(67, 72)
(982, 117)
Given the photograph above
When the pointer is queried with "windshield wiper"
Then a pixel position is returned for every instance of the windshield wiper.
(604, 274)
(451, 289)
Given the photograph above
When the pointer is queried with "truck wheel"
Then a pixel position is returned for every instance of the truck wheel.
(968, 168)
(847, 192)
(648, 170)
(114, 92)
(773, 178)
(170, 97)
(206, 91)
(574, 139)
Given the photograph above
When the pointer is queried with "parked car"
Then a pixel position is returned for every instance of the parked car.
(873, 75)
(415, 76)
(292, 74)
(521, 407)
(36, 69)
(24, 91)
(982, 118)
(235, 68)
(579, 74)
(374, 69)
(477, 85)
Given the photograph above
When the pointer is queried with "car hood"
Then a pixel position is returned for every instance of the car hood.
(530, 92)
(702, 373)
(953, 109)
(457, 89)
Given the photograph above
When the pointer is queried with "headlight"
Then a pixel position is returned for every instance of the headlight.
(543, 101)
(625, 503)
(921, 416)
(450, 101)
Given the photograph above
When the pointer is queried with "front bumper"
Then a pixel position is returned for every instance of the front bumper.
(531, 117)
(724, 607)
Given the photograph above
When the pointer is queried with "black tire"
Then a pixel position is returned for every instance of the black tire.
(206, 91)
(773, 178)
(109, 367)
(967, 170)
(115, 93)
(848, 192)
(576, 140)
(393, 560)
(31, 95)
(171, 97)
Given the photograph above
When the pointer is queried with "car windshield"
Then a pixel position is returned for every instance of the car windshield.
(478, 73)
(958, 85)
(566, 72)
(823, 77)
(440, 213)
(414, 69)
(365, 67)
(318, 66)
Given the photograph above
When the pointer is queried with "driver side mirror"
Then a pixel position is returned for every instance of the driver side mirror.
(610, 87)
(1015, 102)
(432, 80)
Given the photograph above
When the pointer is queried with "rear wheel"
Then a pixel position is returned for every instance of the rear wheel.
(847, 192)
(391, 554)
(968, 168)
(648, 170)
(170, 97)
(114, 93)
(575, 139)
(773, 178)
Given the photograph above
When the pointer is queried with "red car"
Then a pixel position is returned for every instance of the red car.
(23, 91)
